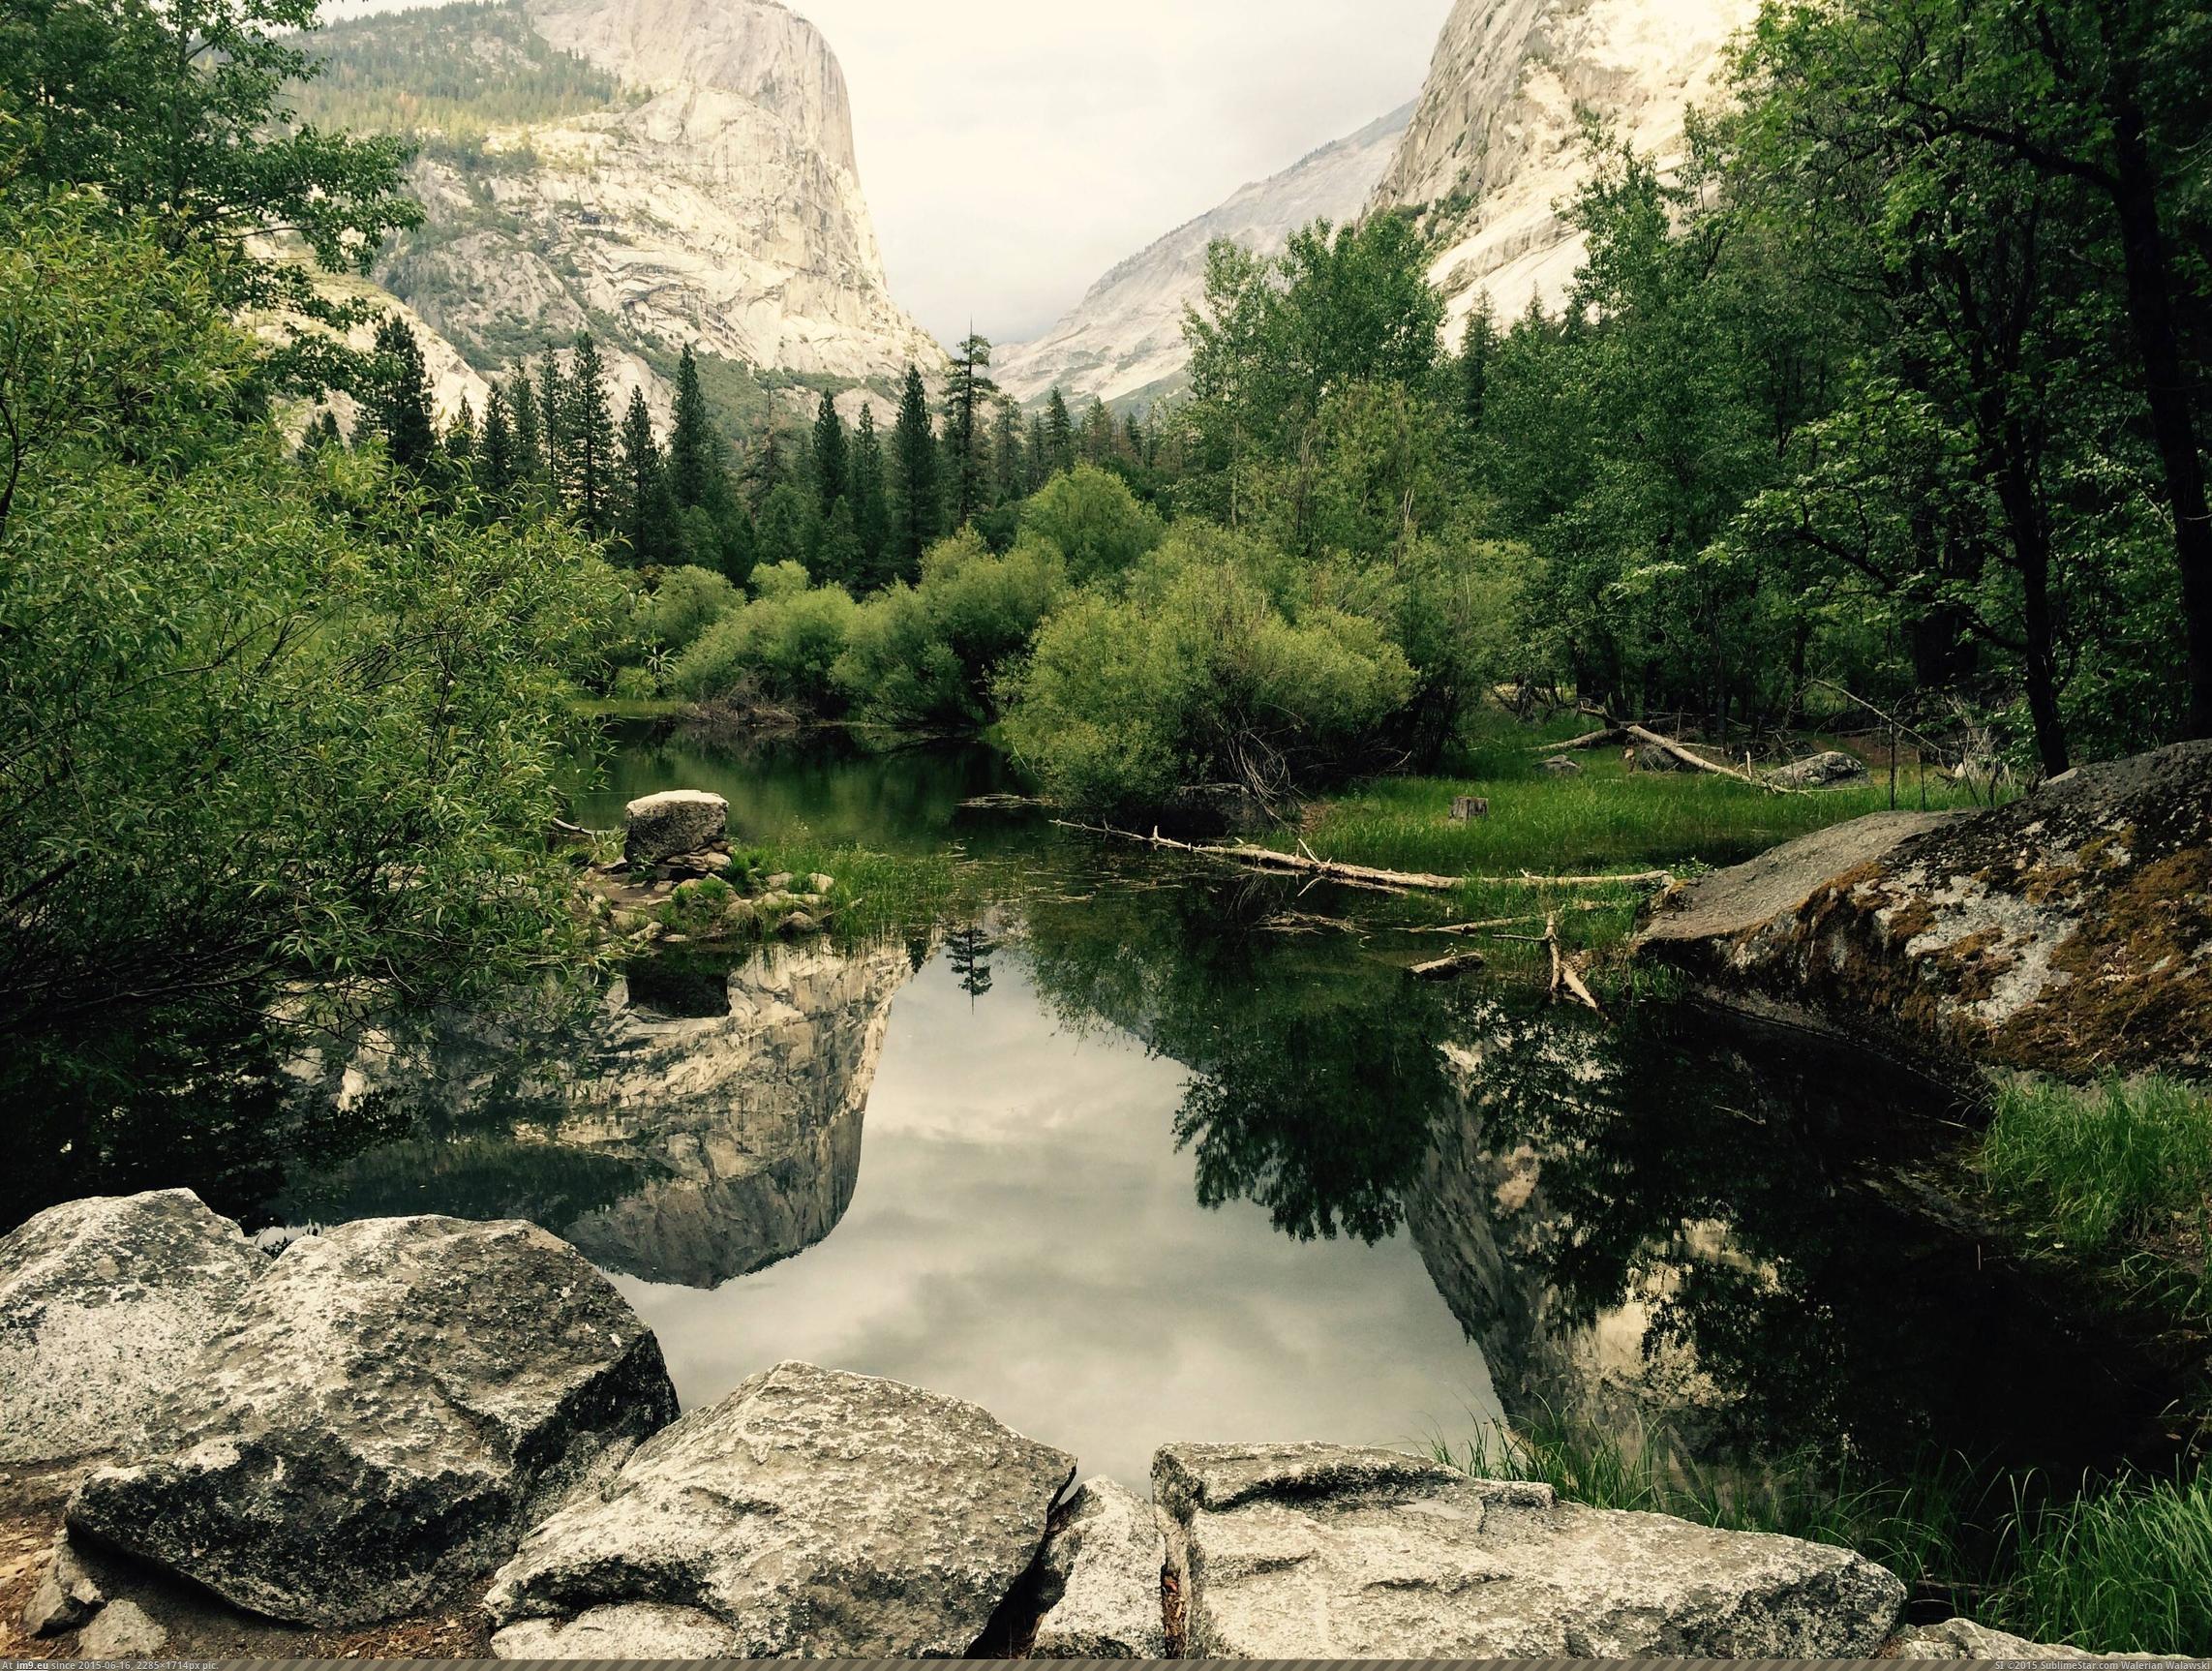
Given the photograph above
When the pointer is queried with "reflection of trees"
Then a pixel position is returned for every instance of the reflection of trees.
(1315, 1076)
(968, 950)
(1732, 1187)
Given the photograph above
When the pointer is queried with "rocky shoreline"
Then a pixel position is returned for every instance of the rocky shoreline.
(429, 1436)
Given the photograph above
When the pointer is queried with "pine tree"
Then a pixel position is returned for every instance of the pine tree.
(1132, 442)
(646, 517)
(1059, 435)
(831, 467)
(1010, 473)
(695, 467)
(871, 502)
(967, 403)
(461, 434)
(321, 432)
(766, 471)
(496, 459)
(553, 421)
(1098, 433)
(590, 459)
(916, 513)
(398, 405)
(530, 438)
(1036, 461)
(1477, 349)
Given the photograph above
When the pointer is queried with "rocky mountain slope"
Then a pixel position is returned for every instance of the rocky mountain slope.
(714, 200)
(1125, 338)
(1495, 145)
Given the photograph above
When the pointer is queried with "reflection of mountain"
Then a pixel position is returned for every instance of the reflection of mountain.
(703, 1124)
(753, 1117)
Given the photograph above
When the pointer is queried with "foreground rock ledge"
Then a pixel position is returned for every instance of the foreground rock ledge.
(1317, 1551)
(809, 1513)
(2070, 931)
(103, 1303)
(1100, 1579)
(383, 1413)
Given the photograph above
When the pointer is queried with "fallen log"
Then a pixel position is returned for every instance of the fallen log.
(1564, 974)
(1699, 763)
(1445, 968)
(1588, 740)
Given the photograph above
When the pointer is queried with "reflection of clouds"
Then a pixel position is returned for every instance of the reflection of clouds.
(1024, 1234)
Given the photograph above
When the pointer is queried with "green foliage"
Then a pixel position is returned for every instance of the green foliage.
(930, 655)
(1096, 523)
(1210, 670)
(781, 646)
(682, 605)
(2123, 1569)
(274, 728)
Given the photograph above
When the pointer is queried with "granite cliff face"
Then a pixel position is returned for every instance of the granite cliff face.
(715, 202)
(1494, 146)
(1126, 336)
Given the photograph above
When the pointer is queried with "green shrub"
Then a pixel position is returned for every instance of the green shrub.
(781, 647)
(1096, 523)
(685, 603)
(1211, 669)
(634, 684)
(931, 653)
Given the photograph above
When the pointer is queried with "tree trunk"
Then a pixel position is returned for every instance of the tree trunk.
(2173, 424)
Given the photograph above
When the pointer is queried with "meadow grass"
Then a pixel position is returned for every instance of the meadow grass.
(2122, 1167)
(2124, 1566)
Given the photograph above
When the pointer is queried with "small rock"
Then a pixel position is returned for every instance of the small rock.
(1101, 1579)
(103, 1302)
(1818, 771)
(1466, 807)
(384, 1412)
(777, 900)
(123, 1630)
(1963, 1639)
(66, 1597)
(809, 1513)
(778, 883)
(659, 827)
(821, 884)
(1560, 766)
(1318, 1551)
(1648, 757)
(797, 922)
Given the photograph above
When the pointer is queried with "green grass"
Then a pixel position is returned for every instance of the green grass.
(2122, 1567)
(878, 895)
(2121, 1168)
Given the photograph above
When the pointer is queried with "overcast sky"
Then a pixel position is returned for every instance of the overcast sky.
(1012, 150)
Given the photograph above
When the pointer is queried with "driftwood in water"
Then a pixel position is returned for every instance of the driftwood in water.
(1445, 968)
(1564, 977)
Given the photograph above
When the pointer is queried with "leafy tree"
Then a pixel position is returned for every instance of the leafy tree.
(283, 741)
(1096, 522)
(917, 514)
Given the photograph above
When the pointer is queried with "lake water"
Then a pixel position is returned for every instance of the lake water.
(1132, 1152)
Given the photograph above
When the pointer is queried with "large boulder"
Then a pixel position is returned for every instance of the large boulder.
(103, 1303)
(811, 1513)
(1317, 1551)
(659, 827)
(383, 1414)
(1100, 1570)
(2069, 932)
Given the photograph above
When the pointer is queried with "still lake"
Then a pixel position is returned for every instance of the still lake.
(1130, 1151)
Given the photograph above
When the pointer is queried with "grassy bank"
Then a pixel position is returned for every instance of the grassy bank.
(2117, 1174)
(2123, 1567)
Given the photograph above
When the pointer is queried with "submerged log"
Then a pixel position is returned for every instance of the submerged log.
(1445, 968)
